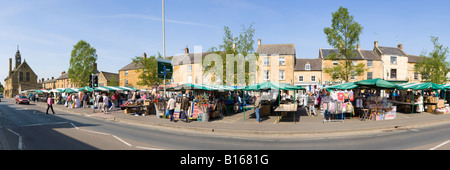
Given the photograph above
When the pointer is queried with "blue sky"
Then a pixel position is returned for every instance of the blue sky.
(46, 30)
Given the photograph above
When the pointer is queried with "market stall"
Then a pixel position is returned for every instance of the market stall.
(430, 102)
(281, 110)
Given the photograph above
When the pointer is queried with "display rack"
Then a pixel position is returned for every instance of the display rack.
(336, 110)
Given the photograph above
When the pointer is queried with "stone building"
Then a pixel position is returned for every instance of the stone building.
(21, 78)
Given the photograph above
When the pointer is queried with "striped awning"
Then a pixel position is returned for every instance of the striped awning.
(420, 86)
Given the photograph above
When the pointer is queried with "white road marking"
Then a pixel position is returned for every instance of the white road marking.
(20, 145)
(74, 126)
(126, 143)
(101, 133)
(440, 145)
(147, 148)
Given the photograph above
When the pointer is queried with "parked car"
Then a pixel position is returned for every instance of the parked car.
(22, 100)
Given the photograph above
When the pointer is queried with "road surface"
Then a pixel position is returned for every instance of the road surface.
(27, 127)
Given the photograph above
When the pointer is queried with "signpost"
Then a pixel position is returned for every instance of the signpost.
(165, 71)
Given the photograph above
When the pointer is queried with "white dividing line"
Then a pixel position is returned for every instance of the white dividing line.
(440, 145)
(126, 143)
(74, 126)
(147, 148)
(101, 133)
(20, 145)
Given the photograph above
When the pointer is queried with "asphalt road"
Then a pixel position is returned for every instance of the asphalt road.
(27, 127)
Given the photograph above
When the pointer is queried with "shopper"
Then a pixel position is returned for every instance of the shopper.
(171, 107)
(85, 100)
(105, 103)
(311, 100)
(50, 104)
(257, 107)
(185, 107)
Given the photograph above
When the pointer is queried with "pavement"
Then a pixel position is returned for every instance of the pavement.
(246, 125)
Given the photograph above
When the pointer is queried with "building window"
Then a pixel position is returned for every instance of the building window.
(353, 75)
(393, 73)
(313, 78)
(369, 75)
(189, 67)
(308, 67)
(126, 73)
(282, 61)
(267, 61)
(369, 63)
(282, 77)
(393, 60)
(354, 63)
(300, 78)
(126, 82)
(20, 76)
(189, 79)
(266, 75)
(335, 63)
(27, 76)
(416, 76)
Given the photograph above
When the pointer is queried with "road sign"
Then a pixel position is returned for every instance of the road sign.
(165, 68)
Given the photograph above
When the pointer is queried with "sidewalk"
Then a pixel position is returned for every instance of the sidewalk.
(236, 125)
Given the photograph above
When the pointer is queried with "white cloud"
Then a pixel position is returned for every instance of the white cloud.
(153, 18)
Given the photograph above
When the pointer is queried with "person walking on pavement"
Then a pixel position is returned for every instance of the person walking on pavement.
(257, 107)
(171, 107)
(185, 107)
(105, 103)
(50, 104)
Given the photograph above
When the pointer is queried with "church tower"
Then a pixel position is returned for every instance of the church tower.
(18, 57)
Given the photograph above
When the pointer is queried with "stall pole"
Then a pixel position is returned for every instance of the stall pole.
(243, 107)
(412, 107)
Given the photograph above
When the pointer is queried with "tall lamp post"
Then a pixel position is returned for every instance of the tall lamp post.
(164, 42)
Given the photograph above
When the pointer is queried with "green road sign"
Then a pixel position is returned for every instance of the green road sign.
(167, 64)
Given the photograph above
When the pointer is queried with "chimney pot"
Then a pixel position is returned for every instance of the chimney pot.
(234, 46)
(359, 46)
(145, 56)
(400, 46)
(64, 72)
(375, 44)
(186, 50)
(259, 42)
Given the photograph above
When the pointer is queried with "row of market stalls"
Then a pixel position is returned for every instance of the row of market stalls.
(378, 99)
(87, 88)
(212, 101)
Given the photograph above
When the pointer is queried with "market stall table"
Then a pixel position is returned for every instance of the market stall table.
(283, 109)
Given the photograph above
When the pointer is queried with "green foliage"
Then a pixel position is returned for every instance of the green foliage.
(434, 67)
(148, 69)
(244, 46)
(82, 61)
(344, 36)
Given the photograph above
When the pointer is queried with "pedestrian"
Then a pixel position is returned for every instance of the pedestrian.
(114, 99)
(100, 103)
(105, 103)
(185, 107)
(311, 100)
(85, 100)
(257, 107)
(50, 104)
(171, 107)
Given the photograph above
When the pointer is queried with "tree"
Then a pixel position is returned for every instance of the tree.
(344, 36)
(434, 67)
(244, 47)
(148, 68)
(82, 61)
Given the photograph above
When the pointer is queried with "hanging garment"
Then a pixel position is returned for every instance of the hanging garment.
(351, 96)
(340, 96)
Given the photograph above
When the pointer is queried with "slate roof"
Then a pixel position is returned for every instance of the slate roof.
(108, 75)
(316, 64)
(392, 51)
(273, 49)
(131, 66)
(414, 58)
(328, 52)
(188, 59)
(370, 55)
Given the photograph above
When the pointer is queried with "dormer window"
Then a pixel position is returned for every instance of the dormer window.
(307, 66)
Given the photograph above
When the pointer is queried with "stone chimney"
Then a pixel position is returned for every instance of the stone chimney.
(43, 80)
(10, 67)
(53, 78)
(64, 72)
(145, 56)
(358, 47)
(375, 44)
(186, 50)
(400, 46)
(234, 46)
(259, 42)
